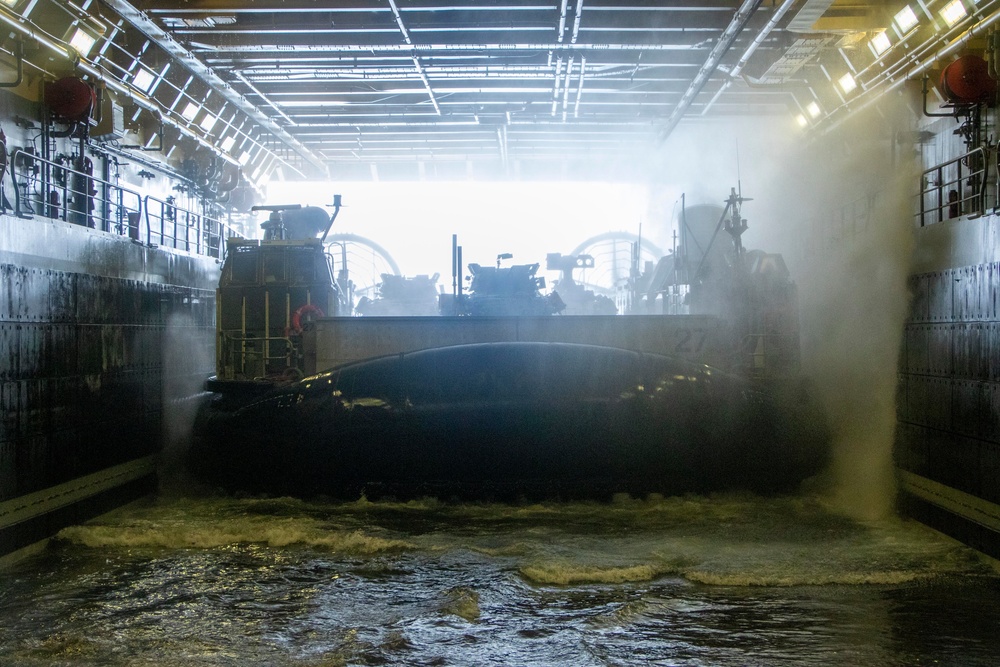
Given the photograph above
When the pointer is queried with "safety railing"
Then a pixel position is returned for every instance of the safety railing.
(248, 357)
(955, 188)
(170, 225)
(55, 189)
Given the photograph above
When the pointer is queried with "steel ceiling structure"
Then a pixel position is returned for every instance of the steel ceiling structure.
(429, 80)
(501, 85)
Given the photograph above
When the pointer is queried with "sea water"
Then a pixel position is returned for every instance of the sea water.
(719, 580)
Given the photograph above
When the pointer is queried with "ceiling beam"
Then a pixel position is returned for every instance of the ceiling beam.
(739, 22)
(147, 27)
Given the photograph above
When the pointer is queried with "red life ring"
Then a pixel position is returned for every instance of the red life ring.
(304, 310)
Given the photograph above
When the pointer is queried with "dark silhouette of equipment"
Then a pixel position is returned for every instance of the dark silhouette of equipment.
(503, 291)
(269, 292)
(578, 299)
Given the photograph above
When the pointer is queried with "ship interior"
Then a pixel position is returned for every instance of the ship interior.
(143, 141)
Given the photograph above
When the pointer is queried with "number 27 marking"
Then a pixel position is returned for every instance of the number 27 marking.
(692, 340)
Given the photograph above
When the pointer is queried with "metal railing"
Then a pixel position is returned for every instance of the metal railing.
(247, 357)
(72, 195)
(170, 225)
(954, 188)
(53, 189)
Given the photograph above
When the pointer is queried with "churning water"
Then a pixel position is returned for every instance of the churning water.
(723, 580)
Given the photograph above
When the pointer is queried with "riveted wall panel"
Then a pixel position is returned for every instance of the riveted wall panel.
(987, 290)
(940, 348)
(917, 400)
(962, 291)
(969, 407)
(919, 298)
(82, 322)
(939, 296)
(948, 426)
(916, 345)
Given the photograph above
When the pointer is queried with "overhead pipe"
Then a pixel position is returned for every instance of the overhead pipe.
(576, 22)
(413, 55)
(262, 96)
(146, 26)
(579, 89)
(891, 71)
(754, 45)
(98, 75)
(726, 40)
(405, 48)
(566, 82)
(18, 54)
(944, 52)
(761, 36)
(555, 85)
(394, 73)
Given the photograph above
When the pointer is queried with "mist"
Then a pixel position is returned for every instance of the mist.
(852, 275)
(847, 233)
(186, 353)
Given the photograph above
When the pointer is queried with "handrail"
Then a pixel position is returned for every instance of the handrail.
(81, 198)
(170, 225)
(74, 196)
(954, 188)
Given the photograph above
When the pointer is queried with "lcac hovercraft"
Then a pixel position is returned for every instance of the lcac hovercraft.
(515, 406)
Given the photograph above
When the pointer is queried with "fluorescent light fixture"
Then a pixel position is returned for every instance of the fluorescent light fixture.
(880, 43)
(208, 122)
(227, 143)
(190, 111)
(953, 12)
(847, 83)
(243, 159)
(143, 79)
(813, 110)
(801, 120)
(905, 19)
(82, 41)
(10, 3)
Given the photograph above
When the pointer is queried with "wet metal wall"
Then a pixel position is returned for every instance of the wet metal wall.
(948, 436)
(83, 321)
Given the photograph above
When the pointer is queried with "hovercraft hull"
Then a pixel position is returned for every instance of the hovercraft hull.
(512, 420)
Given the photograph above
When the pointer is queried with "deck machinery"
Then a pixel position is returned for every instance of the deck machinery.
(268, 293)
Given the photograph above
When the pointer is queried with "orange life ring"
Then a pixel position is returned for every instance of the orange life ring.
(304, 310)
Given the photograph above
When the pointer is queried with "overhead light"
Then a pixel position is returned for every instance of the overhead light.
(905, 20)
(82, 41)
(243, 159)
(801, 120)
(83, 34)
(208, 122)
(953, 12)
(10, 3)
(847, 83)
(813, 110)
(880, 43)
(143, 79)
(227, 143)
(190, 111)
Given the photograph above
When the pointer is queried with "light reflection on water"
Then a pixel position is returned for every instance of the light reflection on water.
(728, 580)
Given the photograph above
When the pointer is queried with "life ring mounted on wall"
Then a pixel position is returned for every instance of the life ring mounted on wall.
(308, 309)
